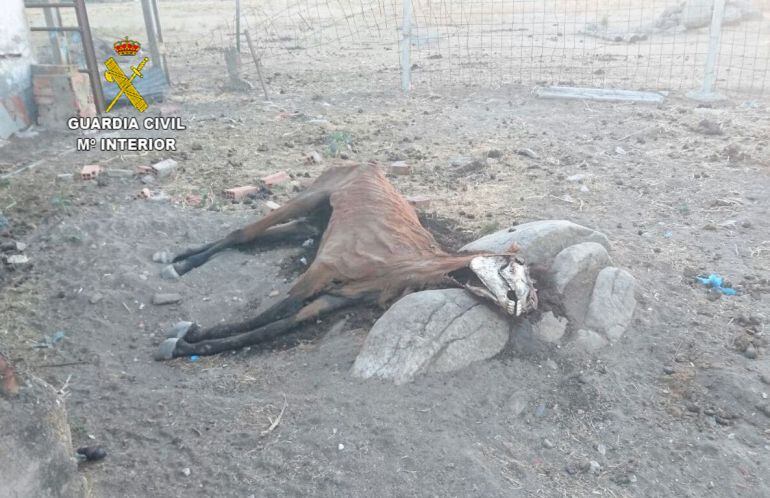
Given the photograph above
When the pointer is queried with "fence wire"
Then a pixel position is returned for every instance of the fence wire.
(631, 44)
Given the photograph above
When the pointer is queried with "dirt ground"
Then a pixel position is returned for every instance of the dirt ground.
(678, 407)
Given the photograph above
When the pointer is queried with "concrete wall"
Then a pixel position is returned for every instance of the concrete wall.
(16, 107)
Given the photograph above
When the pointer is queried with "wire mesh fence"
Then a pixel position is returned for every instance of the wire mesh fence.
(650, 44)
(631, 44)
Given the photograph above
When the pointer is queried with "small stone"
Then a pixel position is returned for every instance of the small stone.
(95, 298)
(547, 444)
(710, 227)
(20, 246)
(272, 206)
(186, 472)
(601, 449)
(579, 178)
(147, 179)
(340, 447)
(273, 293)
(527, 153)
(595, 467)
(164, 168)
(751, 352)
(197, 146)
(163, 257)
(17, 260)
(308, 243)
(765, 378)
(65, 177)
(162, 299)
(119, 173)
(669, 370)
(92, 453)
(494, 154)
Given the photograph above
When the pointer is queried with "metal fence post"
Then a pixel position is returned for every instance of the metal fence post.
(406, 46)
(706, 92)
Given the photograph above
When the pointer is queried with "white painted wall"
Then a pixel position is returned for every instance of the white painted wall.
(15, 61)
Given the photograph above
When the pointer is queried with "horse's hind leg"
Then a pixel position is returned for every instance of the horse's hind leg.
(172, 348)
(300, 206)
(192, 332)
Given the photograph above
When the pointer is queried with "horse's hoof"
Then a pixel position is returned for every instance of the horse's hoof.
(169, 273)
(179, 330)
(166, 350)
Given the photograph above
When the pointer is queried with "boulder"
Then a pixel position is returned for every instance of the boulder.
(612, 303)
(431, 331)
(538, 241)
(36, 446)
(572, 276)
(549, 328)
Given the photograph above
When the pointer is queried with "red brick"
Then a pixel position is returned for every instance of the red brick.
(399, 168)
(276, 178)
(90, 171)
(238, 193)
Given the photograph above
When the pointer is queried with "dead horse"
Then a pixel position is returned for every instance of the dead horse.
(373, 249)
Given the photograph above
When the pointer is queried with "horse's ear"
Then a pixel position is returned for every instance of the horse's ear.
(514, 248)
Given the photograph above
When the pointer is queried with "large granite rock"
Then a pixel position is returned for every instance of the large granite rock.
(431, 331)
(572, 276)
(538, 241)
(36, 447)
(612, 303)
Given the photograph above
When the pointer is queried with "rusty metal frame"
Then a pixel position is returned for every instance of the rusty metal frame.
(84, 28)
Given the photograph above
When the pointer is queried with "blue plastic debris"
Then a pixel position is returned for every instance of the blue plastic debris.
(715, 282)
(194, 357)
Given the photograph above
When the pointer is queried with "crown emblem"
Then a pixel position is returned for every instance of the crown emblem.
(126, 47)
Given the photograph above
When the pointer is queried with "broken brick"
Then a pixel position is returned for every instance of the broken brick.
(276, 178)
(9, 385)
(193, 200)
(419, 201)
(238, 193)
(90, 171)
(144, 194)
(399, 168)
(143, 170)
